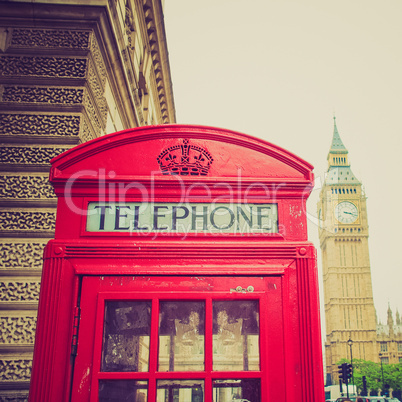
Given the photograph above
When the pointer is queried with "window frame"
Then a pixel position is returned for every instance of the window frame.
(152, 375)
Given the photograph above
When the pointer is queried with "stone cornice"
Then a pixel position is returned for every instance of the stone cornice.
(164, 60)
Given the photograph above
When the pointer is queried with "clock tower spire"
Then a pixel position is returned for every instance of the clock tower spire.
(343, 231)
(338, 154)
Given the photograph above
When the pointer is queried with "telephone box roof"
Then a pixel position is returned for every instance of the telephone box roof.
(143, 151)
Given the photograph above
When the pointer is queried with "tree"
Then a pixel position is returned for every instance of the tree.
(393, 375)
(373, 373)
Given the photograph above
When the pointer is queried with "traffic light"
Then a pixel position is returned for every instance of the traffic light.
(344, 374)
(349, 371)
(364, 385)
(341, 373)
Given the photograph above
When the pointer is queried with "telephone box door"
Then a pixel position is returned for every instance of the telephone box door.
(179, 339)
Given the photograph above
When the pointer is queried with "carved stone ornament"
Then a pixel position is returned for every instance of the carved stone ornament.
(185, 160)
(21, 255)
(17, 330)
(15, 370)
(86, 133)
(19, 291)
(29, 155)
(14, 396)
(97, 121)
(27, 220)
(54, 95)
(39, 124)
(43, 66)
(97, 90)
(129, 28)
(98, 61)
(25, 187)
(25, 37)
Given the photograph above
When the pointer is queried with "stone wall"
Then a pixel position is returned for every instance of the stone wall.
(68, 73)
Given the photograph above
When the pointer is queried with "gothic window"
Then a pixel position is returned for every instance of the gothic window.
(384, 347)
(384, 360)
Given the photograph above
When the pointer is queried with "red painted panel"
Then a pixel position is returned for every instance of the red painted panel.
(135, 152)
(124, 167)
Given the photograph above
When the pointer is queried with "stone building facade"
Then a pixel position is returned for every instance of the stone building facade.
(350, 315)
(70, 71)
(389, 338)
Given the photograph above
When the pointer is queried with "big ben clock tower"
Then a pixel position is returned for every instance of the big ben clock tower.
(343, 231)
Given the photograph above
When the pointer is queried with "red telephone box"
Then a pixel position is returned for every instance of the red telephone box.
(180, 271)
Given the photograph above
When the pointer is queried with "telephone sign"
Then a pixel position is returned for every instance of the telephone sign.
(182, 218)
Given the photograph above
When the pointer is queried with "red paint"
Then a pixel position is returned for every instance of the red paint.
(83, 269)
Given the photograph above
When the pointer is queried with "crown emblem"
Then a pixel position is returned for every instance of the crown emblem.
(185, 160)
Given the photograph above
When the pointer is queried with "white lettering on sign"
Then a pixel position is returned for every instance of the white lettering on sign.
(182, 218)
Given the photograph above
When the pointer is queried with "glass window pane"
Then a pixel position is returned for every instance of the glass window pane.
(180, 391)
(126, 336)
(246, 390)
(122, 391)
(236, 335)
(181, 336)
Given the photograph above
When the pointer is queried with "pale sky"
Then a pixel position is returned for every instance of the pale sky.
(279, 70)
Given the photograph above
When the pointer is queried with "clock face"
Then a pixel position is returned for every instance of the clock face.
(346, 212)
